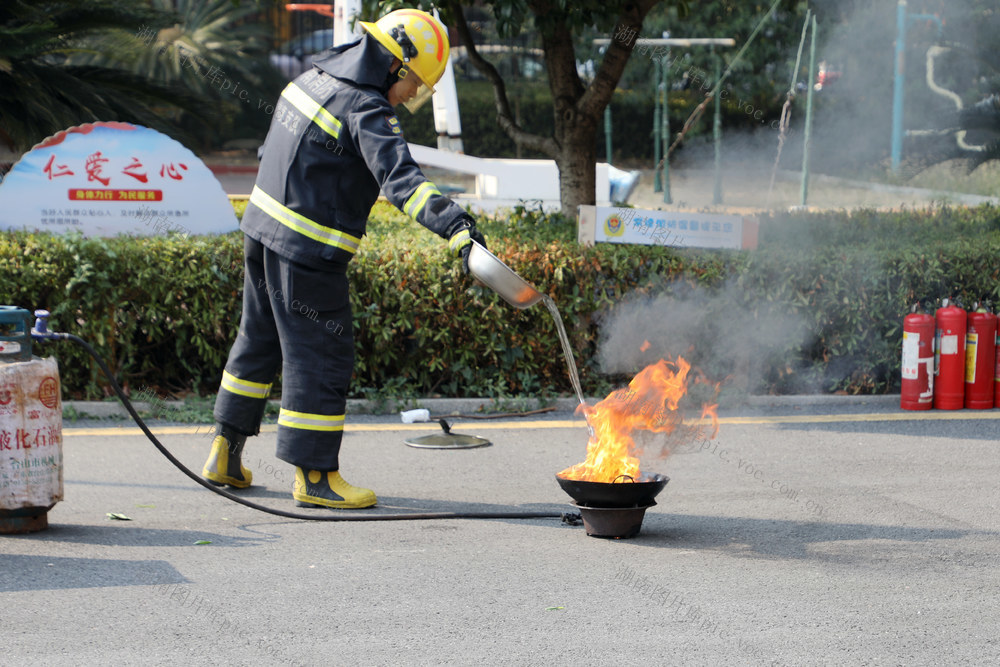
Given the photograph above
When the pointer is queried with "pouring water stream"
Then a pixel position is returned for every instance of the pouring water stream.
(491, 271)
(574, 376)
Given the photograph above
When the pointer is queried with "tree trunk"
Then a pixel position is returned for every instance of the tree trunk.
(577, 162)
(577, 108)
(574, 128)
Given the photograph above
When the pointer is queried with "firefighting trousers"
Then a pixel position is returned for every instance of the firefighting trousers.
(296, 319)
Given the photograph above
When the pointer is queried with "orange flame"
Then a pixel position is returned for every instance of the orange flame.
(651, 403)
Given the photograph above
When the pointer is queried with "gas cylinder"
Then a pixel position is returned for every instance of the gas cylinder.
(996, 375)
(980, 359)
(949, 385)
(31, 465)
(917, 389)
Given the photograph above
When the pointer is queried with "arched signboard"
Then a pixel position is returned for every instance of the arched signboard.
(105, 179)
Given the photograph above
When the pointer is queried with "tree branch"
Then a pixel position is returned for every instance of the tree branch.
(6, 140)
(560, 56)
(505, 118)
(627, 29)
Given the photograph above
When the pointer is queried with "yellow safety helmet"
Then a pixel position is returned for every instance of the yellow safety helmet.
(420, 41)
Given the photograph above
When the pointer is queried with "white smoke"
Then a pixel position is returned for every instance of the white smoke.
(724, 336)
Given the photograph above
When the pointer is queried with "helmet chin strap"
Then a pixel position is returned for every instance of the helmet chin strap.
(392, 76)
(390, 79)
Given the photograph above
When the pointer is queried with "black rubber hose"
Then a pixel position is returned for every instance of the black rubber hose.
(567, 517)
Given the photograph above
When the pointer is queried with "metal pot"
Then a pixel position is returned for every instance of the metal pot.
(607, 495)
(489, 270)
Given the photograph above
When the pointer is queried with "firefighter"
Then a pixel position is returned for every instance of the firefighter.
(334, 142)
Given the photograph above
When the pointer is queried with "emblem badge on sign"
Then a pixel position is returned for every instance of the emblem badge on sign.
(613, 226)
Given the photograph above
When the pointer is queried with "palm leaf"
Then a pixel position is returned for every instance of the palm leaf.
(67, 62)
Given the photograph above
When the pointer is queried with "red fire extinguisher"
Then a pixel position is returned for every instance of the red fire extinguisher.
(980, 359)
(996, 375)
(917, 390)
(949, 386)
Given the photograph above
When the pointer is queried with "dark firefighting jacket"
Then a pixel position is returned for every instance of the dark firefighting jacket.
(334, 141)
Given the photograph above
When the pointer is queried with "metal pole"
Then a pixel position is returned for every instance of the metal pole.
(897, 85)
(665, 133)
(809, 113)
(717, 133)
(607, 132)
(658, 179)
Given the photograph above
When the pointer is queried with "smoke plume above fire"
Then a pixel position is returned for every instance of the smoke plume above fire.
(722, 335)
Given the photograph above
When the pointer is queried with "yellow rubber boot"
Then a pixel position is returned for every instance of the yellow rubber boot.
(314, 488)
(224, 466)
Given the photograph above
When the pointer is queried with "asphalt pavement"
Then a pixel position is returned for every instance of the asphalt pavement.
(808, 533)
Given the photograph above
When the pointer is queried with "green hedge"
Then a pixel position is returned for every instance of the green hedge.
(164, 311)
(161, 311)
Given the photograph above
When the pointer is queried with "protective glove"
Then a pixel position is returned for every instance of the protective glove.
(461, 240)
(466, 250)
